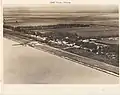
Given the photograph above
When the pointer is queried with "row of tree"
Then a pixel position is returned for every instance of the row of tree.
(53, 26)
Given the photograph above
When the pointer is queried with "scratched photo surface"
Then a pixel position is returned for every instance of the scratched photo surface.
(61, 44)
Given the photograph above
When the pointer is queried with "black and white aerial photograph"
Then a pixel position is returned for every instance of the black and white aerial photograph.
(61, 44)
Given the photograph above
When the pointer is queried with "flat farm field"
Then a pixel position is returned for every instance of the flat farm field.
(90, 32)
(105, 24)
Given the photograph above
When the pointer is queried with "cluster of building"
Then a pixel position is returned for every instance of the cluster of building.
(98, 48)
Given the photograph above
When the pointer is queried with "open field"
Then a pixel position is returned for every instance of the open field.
(46, 20)
(104, 24)
(91, 31)
(41, 16)
(29, 65)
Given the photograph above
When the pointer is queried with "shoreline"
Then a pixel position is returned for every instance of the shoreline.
(101, 66)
